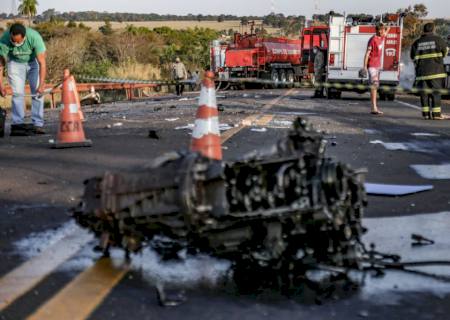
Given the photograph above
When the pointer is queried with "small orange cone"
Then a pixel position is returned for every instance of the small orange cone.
(206, 134)
(70, 131)
(77, 98)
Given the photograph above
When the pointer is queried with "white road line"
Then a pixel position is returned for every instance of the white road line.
(406, 104)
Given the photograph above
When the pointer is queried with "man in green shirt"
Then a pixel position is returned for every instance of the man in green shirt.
(22, 51)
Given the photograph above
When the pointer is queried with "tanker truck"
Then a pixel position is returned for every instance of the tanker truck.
(252, 56)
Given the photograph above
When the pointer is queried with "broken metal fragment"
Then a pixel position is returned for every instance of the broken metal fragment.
(420, 240)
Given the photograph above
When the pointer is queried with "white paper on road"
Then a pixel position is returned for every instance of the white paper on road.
(424, 134)
(433, 172)
(259, 130)
(393, 235)
(394, 190)
(393, 146)
(191, 126)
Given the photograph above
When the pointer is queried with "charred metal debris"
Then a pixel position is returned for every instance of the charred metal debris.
(280, 212)
(284, 211)
(275, 215)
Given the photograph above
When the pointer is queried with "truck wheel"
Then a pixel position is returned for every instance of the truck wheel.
(290, 79)
(391, 96)
(283, 78)
(274, 77)
(333, 93)
(329, 93)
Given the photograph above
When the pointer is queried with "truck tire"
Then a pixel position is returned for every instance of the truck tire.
(391, 96)
(333, 93)
(283, 78)
(275, 78)
(290, 79)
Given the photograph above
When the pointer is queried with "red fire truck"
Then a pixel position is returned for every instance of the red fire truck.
(252, 56)
(347, 47)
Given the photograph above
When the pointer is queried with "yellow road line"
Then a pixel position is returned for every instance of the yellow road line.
(248, 121)
(20, 280)
(264, 120)
(78, 299)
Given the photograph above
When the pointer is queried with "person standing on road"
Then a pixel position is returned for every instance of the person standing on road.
(22, 50)
(179, 73)
(319, 72)
(428, 54)
(372, 64)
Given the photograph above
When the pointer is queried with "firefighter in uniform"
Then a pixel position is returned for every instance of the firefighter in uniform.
(319, 72)
(428, 54)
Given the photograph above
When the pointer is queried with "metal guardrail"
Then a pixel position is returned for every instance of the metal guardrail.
(131, 85)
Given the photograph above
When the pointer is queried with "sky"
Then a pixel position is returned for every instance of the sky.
(436, 8)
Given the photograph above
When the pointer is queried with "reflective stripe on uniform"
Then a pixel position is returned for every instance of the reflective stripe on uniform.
(425, 109)
(428, 56)
(433, 76)
(436, 109)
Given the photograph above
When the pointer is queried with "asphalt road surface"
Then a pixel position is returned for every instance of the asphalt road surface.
(48, 269)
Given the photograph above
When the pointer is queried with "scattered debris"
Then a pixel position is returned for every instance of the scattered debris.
(220, 108)
(173, 107)
(394, 189)
(185, 99)
(170, 297)
(371, 131)
(152, 134)
(259, 130)
(363, 314)
(433, 172)
(333, 143)
(224, 127)
(157, 108)
(420, 240)
(118, 124)
(286, 123)
(172, 119)
(424, 134)
(247, 123)
(190, 126)
(392, 146)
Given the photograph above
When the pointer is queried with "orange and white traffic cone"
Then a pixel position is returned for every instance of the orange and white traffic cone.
(206, 134)
(70, 131)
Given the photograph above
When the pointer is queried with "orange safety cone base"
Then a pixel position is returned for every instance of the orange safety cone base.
(64, 145)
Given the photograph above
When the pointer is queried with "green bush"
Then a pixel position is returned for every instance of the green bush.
(93, 68)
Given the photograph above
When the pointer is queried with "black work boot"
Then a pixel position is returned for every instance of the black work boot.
(21, 130)
(426, 114)
(437, 113)
(38, 130)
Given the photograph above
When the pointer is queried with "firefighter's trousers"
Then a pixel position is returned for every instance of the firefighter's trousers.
(431, 103)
